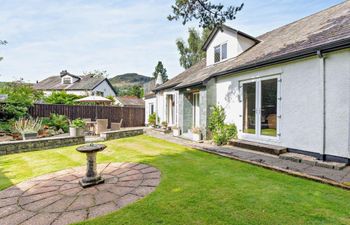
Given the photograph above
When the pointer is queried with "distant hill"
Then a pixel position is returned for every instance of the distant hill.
(129, 79)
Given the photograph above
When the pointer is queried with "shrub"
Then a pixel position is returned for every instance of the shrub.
(58, 122)
(152, 119)
(216, 118)
(62, 97)
(21, 96)
(222, 132)
(78, 123)
(6, 127)
(29, 125)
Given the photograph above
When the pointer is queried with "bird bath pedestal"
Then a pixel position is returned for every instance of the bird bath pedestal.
(91, 178)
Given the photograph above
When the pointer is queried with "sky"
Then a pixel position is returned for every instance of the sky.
(45, 36)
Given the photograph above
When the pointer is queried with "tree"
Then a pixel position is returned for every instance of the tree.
(160, 69)
(97, 73)
(209, 15)
(62, 97)
(192, 52)
(2, 42)
(20, 97)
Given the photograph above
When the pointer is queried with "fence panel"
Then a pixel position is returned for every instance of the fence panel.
(132, 116)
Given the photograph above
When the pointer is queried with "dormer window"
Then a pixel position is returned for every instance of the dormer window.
(66, 80)
(220, 52)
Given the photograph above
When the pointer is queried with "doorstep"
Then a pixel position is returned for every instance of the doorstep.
(300, 158)
(255, 146)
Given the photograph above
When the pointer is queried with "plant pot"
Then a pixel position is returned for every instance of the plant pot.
(176, 132)
(196, 137)
(76, 132)
(29, 136)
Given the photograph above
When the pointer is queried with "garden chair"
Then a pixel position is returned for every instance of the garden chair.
(101, 125)
(116, 126)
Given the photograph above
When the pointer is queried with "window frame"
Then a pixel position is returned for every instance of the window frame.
(220, 52)
(66, 79)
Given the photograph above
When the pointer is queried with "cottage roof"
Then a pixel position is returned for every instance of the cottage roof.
(326, 30)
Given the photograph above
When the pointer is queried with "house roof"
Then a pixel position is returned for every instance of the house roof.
(326, 30)
(130, 101)
(148, 88)
(224, 27)
(54, 83)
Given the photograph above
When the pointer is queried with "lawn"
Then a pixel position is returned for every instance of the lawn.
(196, 187)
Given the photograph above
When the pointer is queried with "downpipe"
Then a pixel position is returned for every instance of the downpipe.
(323, 77)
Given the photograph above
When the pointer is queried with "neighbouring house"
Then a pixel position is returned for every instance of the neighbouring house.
(79, 85)
(129, 101)
(288, 87)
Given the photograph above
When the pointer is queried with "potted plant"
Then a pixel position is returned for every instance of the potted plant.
(28, 128)
(164, 125)
(76, 128)
(196, 134)
(176, 131)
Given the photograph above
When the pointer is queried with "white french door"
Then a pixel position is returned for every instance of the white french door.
(195, 110)
(260, 100)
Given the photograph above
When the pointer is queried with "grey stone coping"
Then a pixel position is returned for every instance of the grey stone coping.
(58, 198)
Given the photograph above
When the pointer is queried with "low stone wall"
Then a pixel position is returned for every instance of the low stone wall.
(11, 147)
(109, 135)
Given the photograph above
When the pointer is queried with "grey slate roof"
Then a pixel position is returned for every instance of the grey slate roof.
(54, 83)
(330, 27)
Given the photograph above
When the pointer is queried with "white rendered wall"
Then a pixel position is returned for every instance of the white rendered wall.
(236, 44)
(301, 106)
(105, 88)
(337, 69)
(147, 108)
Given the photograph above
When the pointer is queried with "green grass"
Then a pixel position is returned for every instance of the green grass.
(196, 187)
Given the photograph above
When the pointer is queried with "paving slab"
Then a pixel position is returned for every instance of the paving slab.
(58, 199)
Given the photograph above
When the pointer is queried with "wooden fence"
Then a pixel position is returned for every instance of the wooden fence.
(132, 116)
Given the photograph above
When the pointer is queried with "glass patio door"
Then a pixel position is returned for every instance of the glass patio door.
(260, 107)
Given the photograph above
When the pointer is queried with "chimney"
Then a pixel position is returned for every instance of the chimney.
(159, 79)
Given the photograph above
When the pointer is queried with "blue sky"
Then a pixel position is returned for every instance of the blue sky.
(45, 36)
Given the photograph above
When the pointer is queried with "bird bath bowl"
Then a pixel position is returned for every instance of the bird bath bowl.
(91, 178)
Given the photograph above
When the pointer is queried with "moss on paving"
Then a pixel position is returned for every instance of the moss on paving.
(196, 187)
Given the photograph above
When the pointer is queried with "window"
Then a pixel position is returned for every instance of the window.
(99, 93)
(67, 80)
(151, 108)
(220, 52)
(224, 51)
(217, 54)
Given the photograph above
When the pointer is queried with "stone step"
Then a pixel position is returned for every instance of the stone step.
(296, 157)
(255, 146)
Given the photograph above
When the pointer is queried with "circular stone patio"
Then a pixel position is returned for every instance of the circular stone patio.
(57, 198)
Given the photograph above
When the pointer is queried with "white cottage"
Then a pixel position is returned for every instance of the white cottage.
(289, 87)
(78, 85)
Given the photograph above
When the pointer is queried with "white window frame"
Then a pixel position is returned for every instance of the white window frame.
(220, 47)
(66, 78)
(258, 135)
(196, 109)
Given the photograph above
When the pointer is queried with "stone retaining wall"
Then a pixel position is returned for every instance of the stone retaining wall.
(11, 147)
(109, 135)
